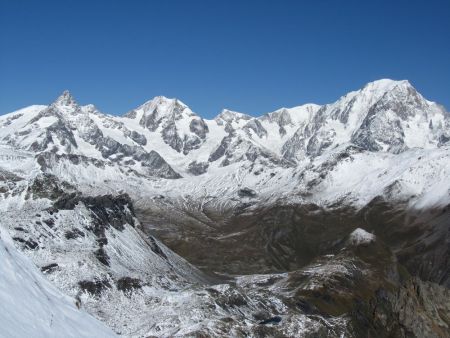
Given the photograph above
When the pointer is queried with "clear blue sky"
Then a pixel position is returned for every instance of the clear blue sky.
(249, 56)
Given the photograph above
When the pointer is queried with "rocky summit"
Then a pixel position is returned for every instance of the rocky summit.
(313, 221)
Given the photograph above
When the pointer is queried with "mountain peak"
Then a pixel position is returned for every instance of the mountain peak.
(386, 85)
(166, 100)
(230, 115)
(160, 99)
(162, 103)
(65, 99)
(401, 92)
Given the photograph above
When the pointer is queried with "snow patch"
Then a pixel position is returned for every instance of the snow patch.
(360, 236)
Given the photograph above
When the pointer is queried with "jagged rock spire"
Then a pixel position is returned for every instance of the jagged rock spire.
(65, 99)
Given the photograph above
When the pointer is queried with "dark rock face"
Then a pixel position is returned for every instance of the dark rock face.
(199, 128)
(47, 159)
(138, 138)
(295, 145)
(67, 201)
(191, 143)
(102, 256)
(110, 210)
(281, 117)
(156, 165)
(7, 176)
(170, 136)
(344, 114)
(273, 320)
(422, 308)
(131, 114)
(95, 287)
(149, 120)
(155, 247)
(49, 268)
(443, 140)
(23, 132)
(107, 146)
(221, 149)
(319, 142)
(89, 131)
(374, 130)
(256, 127)
(128, 284)
(229, 128)
(198, 168)
(47, 186)
(59, 131)
(246, 192)
(107, 210)
(27, 243)
(74, 234)
(50, 222)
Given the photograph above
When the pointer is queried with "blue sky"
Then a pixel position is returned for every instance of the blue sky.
(249, 56)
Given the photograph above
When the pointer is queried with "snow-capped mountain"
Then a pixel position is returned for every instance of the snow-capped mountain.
(385, 115)
(163, 138)
(268, 209)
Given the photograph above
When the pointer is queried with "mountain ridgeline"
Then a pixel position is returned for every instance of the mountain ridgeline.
(164, 138)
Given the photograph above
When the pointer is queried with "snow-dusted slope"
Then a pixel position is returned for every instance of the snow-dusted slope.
(32, 307)
(93, 249)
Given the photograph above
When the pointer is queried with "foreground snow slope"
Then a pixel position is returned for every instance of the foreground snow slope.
(32, 307)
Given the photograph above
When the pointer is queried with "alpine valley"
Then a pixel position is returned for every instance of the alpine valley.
(312, 221)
